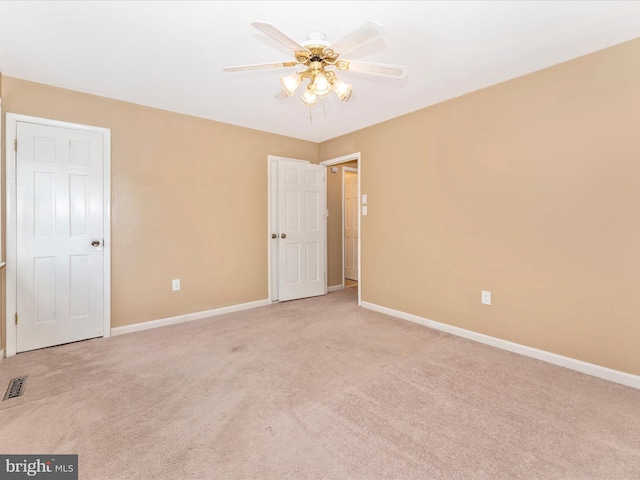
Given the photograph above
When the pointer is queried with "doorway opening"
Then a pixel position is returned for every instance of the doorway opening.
(344, 238)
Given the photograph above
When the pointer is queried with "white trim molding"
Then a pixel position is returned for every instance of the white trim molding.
(342, 159)
(1, 354)
(189, 317)
(605, 373)
(335, 288)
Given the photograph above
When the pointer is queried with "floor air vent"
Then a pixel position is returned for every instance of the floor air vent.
(15, 388)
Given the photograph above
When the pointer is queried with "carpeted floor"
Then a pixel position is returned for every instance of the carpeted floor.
(312, 389)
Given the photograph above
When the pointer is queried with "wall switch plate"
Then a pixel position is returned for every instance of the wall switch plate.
(175, 284)
(364, 210)
(486, 297)
(364, 199)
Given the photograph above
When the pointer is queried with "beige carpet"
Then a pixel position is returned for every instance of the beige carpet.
(312, 389)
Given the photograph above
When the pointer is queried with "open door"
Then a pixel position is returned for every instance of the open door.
(298, 233)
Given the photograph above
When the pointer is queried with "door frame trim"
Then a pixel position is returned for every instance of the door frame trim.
(344, 159)
(12, 120)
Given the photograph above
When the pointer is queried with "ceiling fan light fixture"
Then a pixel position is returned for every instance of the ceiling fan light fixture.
(316, 54)
(290, 83)
(342, 89)
(309, 98)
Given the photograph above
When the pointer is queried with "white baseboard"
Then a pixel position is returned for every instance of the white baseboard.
(189, 317)
(605, 373)
(1, 354)
(335, 288)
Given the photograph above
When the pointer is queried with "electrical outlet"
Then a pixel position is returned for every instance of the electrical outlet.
(486, 297)
(175, 284)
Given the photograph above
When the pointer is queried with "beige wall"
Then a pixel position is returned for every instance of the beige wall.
(529, 189)
(334, 224)
(189, 201)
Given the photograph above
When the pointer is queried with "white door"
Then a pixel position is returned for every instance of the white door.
(351, 225)
(60, 230)
(301, 230)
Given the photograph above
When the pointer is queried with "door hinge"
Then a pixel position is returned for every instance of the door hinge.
(16, 318)
(15, 144)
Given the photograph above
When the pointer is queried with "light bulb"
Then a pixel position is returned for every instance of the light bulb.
(342, 89)
(321, 86)
(309, 98)
(290, 83)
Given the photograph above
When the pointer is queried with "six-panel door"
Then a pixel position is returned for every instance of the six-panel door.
(59, 175)
(302, 216)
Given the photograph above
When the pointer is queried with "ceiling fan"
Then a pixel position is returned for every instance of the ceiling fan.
(315, 55)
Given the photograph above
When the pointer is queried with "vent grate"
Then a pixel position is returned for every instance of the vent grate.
(15, 388)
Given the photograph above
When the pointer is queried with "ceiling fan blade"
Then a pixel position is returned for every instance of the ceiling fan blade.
(259, 66)
(278, 35)
(367, 33)
(382, 69)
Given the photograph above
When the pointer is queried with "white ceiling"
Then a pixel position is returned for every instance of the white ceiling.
(170, 55)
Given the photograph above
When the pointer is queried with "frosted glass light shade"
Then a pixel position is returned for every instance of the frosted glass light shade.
(309, 98)
(290, 83)
(342, 89)
(321, 86)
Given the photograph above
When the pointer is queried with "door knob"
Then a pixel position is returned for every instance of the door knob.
(95, 243)
(284, 235)
(274, 235)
